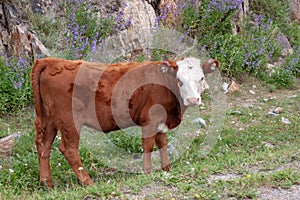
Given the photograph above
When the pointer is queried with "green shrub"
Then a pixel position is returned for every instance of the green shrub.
(15, 87)
(46, 28)
(83, 29)
(282, 78)
(251, 49)
(292, 63)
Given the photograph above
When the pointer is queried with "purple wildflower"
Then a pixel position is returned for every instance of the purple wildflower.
(128, 23)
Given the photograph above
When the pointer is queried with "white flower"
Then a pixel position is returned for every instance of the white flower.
(1, 167)
(80, 168)
(11, 170)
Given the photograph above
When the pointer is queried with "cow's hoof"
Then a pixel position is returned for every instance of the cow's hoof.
(166, 168)
(87, 182)
(147, 170)
(47, 184)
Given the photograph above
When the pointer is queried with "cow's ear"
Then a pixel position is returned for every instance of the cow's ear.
(171, 63)
(169, 67)
(210, 66)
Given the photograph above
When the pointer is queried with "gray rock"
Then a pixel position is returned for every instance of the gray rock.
(134, 18)
(294, 8)
(16, 39)
(199, 121)
(272, 113)
(278, 110)
(23, 42)
(285, 120)
(284, 42)
(269, 99)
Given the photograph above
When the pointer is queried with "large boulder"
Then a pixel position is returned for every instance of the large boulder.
(16, 38)
(23, 42)
(133, 18)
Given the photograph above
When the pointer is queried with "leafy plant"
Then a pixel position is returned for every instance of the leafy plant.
(15, 87)
(84, 30)
(282, 78)
(292, 63)
(47, 29)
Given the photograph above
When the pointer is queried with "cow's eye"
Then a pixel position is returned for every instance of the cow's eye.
(180, 83)
(190, 67)
(202, 78)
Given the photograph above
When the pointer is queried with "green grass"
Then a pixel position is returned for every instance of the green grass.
(259, 149)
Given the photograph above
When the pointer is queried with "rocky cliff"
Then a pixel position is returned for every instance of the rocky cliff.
(18, 39)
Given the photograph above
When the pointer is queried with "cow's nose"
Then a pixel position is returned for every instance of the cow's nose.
(193, 101)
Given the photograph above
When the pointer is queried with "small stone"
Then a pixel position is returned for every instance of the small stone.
(268, 145)
(285, 120)
(225, 87)
(272, 113)
(199, 121)
(252, 92)
(278, 110)
(269, 99)
(270, 69)
(292, 96)
(236, 112)
(234, 87)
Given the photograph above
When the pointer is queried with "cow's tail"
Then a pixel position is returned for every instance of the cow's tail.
(40, 126)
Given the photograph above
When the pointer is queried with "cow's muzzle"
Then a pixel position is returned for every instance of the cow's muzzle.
(193, 101)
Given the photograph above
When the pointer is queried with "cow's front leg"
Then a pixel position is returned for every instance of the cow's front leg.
(161, 141)
(157, 116)
(147, 144)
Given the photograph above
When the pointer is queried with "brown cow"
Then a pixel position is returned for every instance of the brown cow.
(153, 95)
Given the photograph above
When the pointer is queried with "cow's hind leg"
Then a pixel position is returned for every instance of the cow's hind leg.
(69, 147)
(161, 141)
(147, 144)
(45, 134)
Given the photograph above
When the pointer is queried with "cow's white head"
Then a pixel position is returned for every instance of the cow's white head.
(191, 80)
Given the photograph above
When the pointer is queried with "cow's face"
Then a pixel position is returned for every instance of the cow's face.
(191, 81)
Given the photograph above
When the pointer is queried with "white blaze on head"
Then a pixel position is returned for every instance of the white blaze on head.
(191, 81)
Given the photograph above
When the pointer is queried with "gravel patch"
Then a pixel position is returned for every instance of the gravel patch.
(292, 193)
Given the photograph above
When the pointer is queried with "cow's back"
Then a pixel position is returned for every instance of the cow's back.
(106, 97)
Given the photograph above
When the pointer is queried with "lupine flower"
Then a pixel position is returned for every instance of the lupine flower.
(224, 5)
(128, 23)
(17, 65)
(77, 34)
